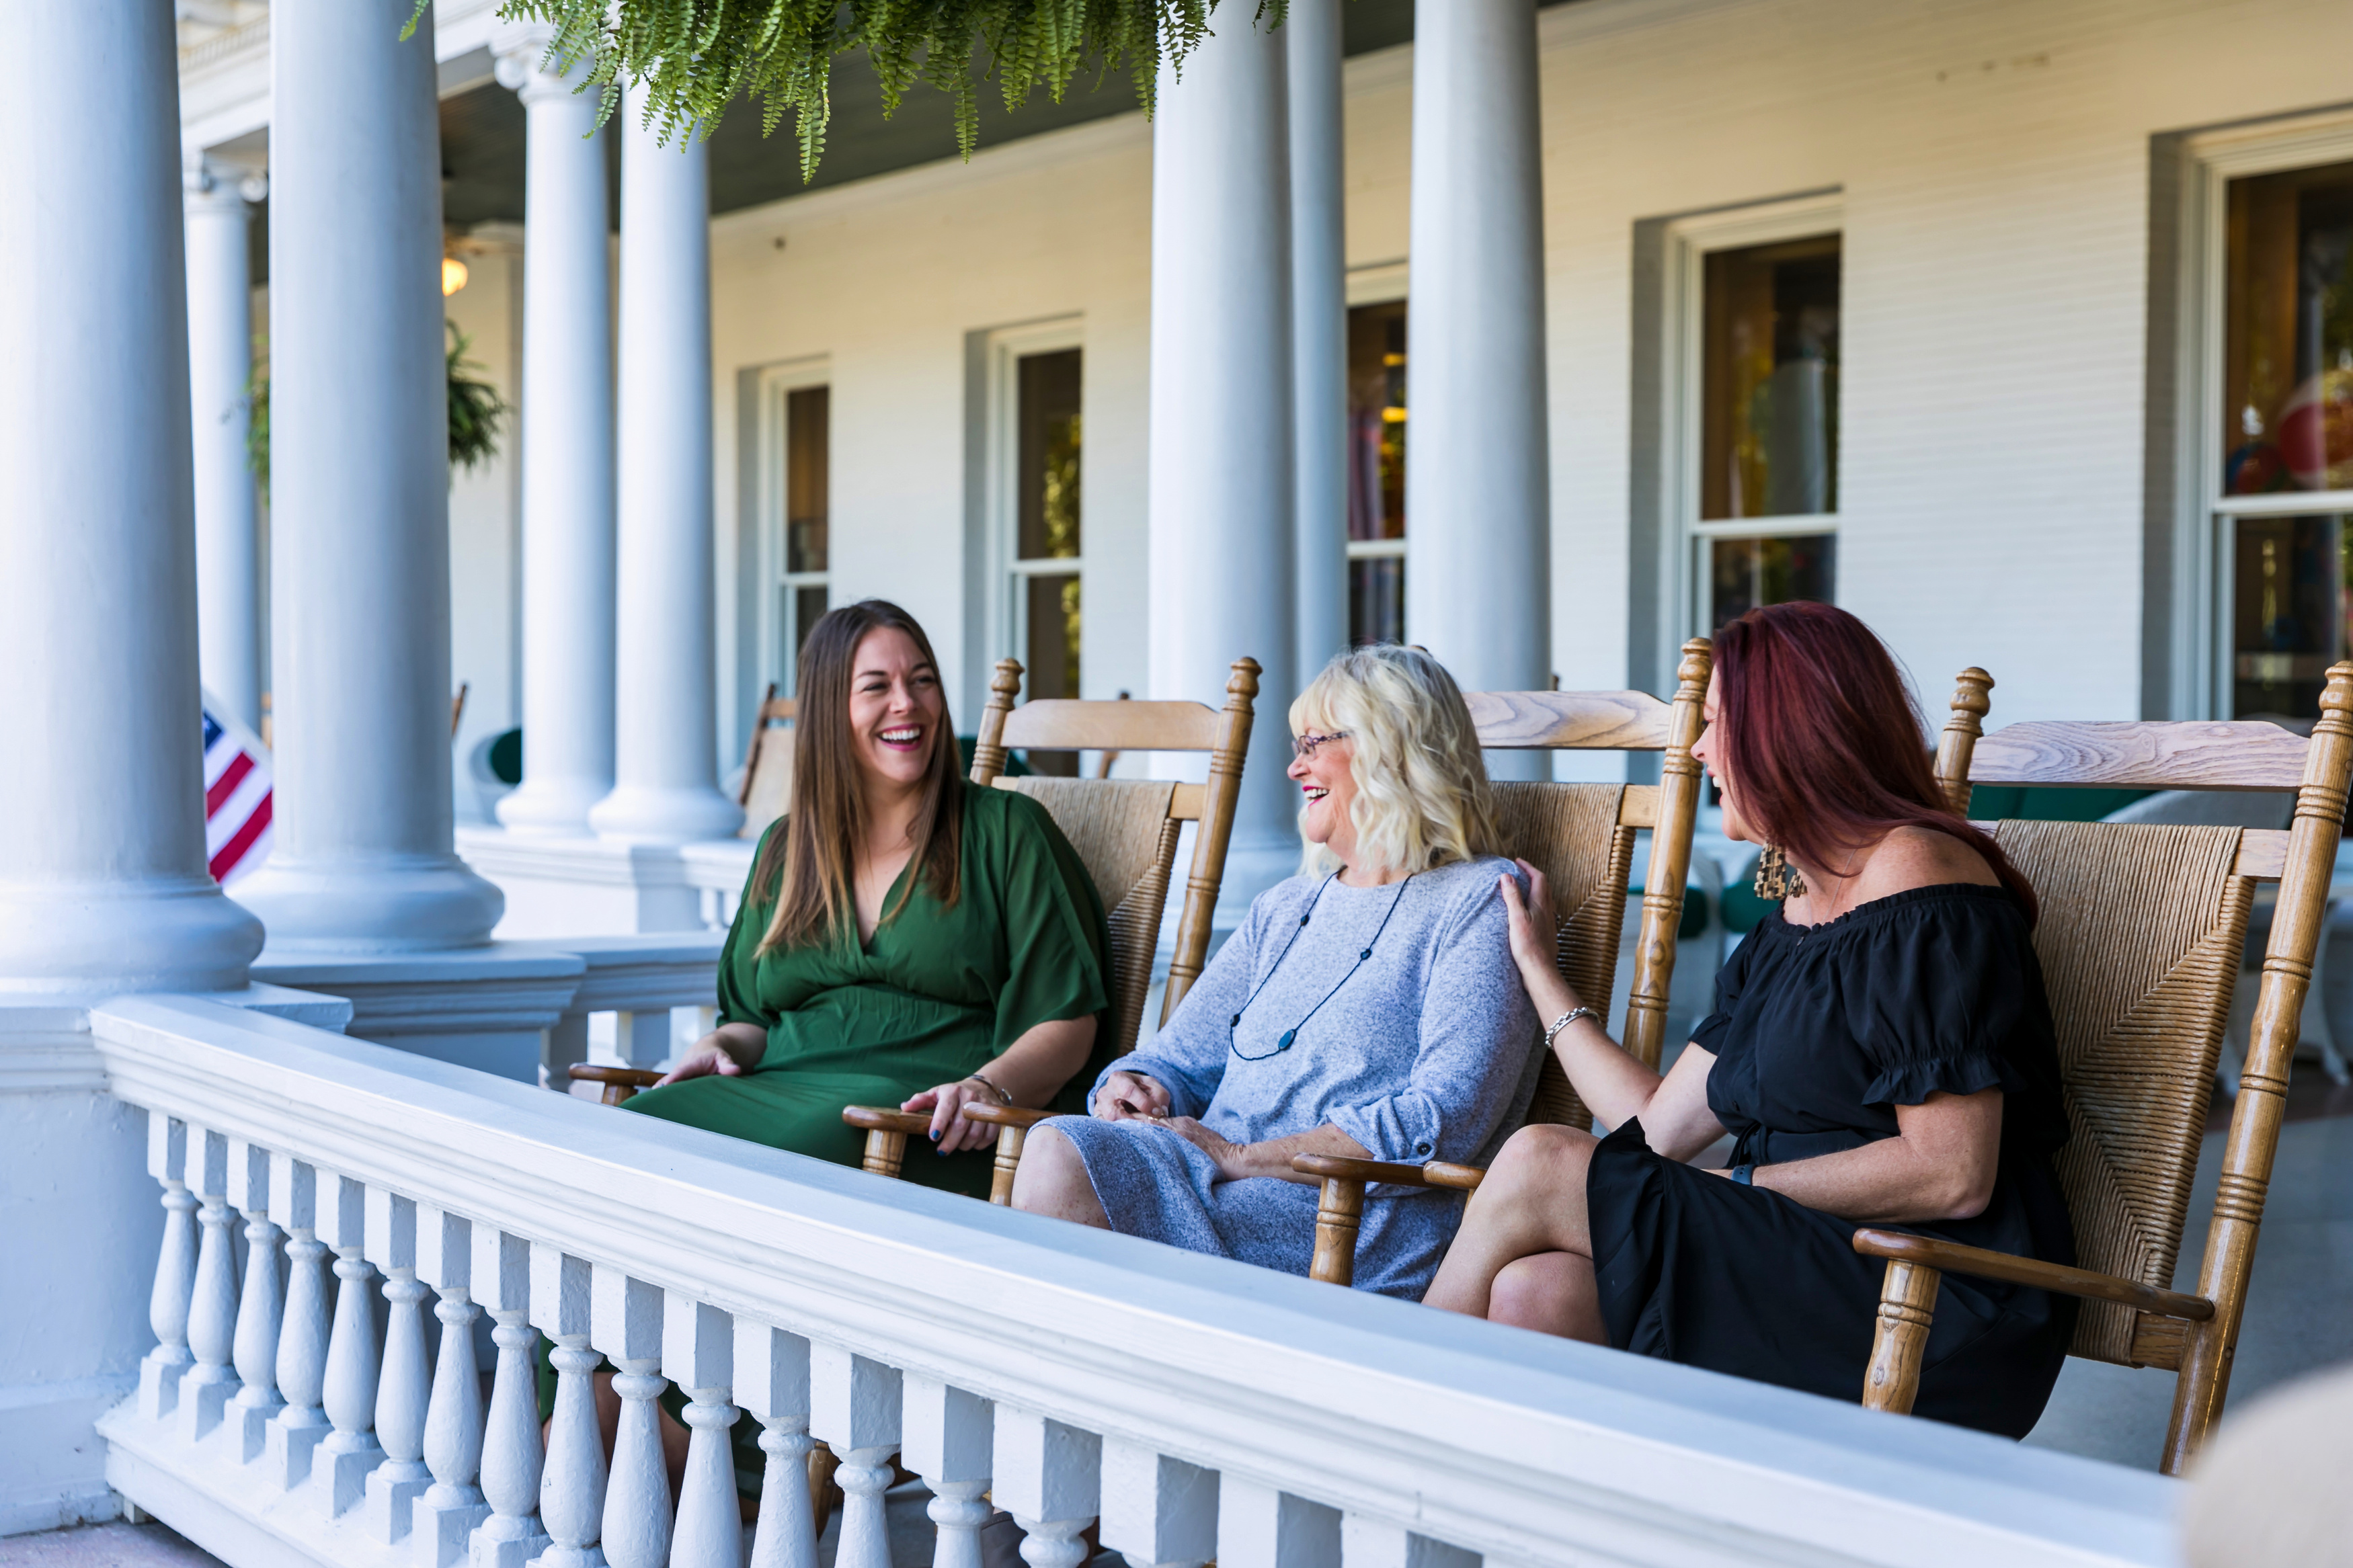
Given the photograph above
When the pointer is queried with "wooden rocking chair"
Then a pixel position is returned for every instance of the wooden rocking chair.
(1582, 836)
(1125, 833)
(768, 791)
(2140, 937)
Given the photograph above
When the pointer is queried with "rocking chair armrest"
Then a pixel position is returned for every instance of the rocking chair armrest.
(887, 1118)
(1019, 1116)
(631, 1078)
(1343, 1168)
(1952, 1257)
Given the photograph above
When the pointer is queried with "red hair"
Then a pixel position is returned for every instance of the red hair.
(1824, 744)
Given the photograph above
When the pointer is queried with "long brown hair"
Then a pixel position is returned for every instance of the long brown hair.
(1824, 743)
(811, 859)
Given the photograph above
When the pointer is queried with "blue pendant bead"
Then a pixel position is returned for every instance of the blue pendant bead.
(1284, 1043)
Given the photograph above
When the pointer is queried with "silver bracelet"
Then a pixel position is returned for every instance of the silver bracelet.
(1565, 1019)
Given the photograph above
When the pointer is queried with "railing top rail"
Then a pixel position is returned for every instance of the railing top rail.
(1524, 1449)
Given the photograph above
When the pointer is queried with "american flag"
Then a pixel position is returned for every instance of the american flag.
(236, 796)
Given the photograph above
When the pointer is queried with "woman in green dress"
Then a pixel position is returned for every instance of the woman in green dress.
(905, 938)
(977, 970)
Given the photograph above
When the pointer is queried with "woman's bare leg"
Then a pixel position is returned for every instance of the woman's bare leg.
(1551, 1292)
(1052, 1180)
(1532, 1203)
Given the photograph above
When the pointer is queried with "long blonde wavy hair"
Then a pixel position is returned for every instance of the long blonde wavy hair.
(1422, 798)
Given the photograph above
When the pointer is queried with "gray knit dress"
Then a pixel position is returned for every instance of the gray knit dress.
(1427, 1050)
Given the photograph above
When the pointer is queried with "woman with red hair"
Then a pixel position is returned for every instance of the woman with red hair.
(1882, 1053)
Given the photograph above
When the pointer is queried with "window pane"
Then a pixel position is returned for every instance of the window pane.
(808, 609)
(1748, 573)
(1047, 459)
(2287, 396)
(1768, 423)
(1376, 600)
(2289, 621)
(1052, 656)
(806, 413)
(1377, 421)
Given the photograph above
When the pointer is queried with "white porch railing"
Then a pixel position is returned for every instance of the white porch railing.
(1201, 1409)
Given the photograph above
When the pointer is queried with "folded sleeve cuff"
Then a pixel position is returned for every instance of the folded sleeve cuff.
(1402, 1129)
(1961, 1072)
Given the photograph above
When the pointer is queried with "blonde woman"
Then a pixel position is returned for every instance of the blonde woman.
(1366, 1007)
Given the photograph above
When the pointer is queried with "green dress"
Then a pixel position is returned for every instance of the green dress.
(938, 992)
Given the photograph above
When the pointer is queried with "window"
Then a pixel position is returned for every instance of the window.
(795, 545)
(1038, 445)
(1766, 488)
(2283, 444)
(1377, 473)
(807, 413)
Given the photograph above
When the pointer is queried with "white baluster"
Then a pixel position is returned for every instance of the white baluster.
(452, 1506)
(1258, 1527)
(1157, 1511)
(854, 1406)
(1366, 1543)
(772, 1381)
(206, 1387)
(698, 1356)
(402, 1387)
(572, 1486)
(948, 1438)
(295, 1431)
(626, 1317)
(175, 1270)
(510, 1537)
(1050, 1479)
(258, 1308)
(340, 1469)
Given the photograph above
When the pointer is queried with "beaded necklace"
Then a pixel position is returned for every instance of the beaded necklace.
(1283, 1041)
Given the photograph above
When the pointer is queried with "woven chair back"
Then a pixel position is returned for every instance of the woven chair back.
(767, 792)
(1126, 838)
(1571, 832)
(2140, 937)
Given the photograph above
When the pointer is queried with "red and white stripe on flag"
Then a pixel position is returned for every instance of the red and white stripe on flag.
(236, 795)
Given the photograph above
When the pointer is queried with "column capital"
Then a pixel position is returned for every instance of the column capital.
(206, 181)
(520, 52)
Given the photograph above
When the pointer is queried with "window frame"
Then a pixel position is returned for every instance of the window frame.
(2206, 520)
(774, 608)
(1382, 283)
(1689, 241)
(1008, 573)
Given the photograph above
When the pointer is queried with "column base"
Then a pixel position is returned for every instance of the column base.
(288, 1449)
(159, 1382)
(483, 1008)
(583, 886)
(340, 1469)
(249, 1424)
(160, 934)
(491, 1550)
(442, 1527)
(385, 904)
(648, 813)
(393, 1488)
(552, 807)
(204, 1403)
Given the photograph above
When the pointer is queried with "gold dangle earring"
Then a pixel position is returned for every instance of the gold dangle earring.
(1777, 880)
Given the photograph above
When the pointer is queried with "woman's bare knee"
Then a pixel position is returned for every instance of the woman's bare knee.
(1052, 1180)
(1551, 1292)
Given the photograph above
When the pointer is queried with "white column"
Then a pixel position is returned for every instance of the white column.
(1319, 333)
(220, 363)
(1221, 501)
(567, 450)
(666, 732)
(359, 496)
(1477, 496)
(102, 879)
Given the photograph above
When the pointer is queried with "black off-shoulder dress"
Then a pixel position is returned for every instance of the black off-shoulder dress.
(1819, 1033)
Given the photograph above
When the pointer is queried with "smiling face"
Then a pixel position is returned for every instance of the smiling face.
(1707, 751)
(896, 712)
(1329, 788)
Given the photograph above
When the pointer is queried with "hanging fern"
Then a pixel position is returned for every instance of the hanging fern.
(476, 410)
(695, 56)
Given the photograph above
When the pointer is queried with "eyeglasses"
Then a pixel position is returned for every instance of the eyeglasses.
(1304, 745)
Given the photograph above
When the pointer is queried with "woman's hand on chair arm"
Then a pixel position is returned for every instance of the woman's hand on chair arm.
(730, 1051)
(1028, 1072)
(1940, 1165)
(1616, 1087)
